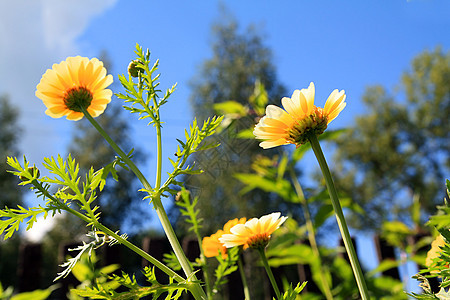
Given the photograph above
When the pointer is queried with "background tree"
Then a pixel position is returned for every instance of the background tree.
(400, 150)
(240, 59)
(11, 194)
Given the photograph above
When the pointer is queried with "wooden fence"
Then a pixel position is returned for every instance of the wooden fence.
(29, 268)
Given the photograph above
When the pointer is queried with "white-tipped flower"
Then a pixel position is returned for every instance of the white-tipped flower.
(299, 118)
(255, 233)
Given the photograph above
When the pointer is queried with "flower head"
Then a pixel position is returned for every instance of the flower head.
(211, 244)
(75, 84)
(299, 118)
(255, 233)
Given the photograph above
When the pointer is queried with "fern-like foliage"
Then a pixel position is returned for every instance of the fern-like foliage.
(71, 189)
(187, 209)
(98, 239)
(66, 175)
(292, 293)
(171, 260)
(441, 219)
(226, 267)
(440, 264)
(144, 96)
(427, 293)
(10, 219)
(136, 291)
(194, 142)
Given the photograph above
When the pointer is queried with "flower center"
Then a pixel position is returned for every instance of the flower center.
(315, 123)
(77, 98)
(258, 241)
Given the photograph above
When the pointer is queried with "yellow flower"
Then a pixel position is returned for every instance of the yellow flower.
(299, 118)
(74, 83)
(255, 233)
(435, 250)
(211, 244)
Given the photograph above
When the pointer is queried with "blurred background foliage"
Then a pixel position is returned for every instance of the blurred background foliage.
(10, 195)
(398, 153)
(239, 60)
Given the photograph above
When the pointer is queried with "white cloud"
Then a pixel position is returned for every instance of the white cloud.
(64, 21)
(34, 35)
(40, 228)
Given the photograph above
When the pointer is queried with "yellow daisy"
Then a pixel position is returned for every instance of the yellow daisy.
(255, 233)
(211, 244)
(299, 118)
(74, 83)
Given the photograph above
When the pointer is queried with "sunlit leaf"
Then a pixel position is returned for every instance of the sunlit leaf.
(230, 107)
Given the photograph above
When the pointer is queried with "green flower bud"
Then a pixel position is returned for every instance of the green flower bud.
(133, 68)
(32, 171)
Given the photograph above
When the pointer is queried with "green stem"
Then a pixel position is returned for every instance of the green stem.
(243, 278)
(311, 235)
(205, 273)
(159, 152)
(197, 290)
(340, 217)
(203, 262)
(269, 272)
(140, 252)
(178, 250)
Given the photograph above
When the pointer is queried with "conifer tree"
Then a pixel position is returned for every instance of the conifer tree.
(11, 194)
(239, 60)
(400, 151)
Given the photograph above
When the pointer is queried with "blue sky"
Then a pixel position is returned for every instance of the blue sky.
(337, 44)
(347, 45)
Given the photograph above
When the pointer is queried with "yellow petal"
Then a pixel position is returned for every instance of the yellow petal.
(74, 115)
(274, 112)
(336, 112)
(307, 99)
(53, 115)
(334, 100)
(273, 143)
(291, 107)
